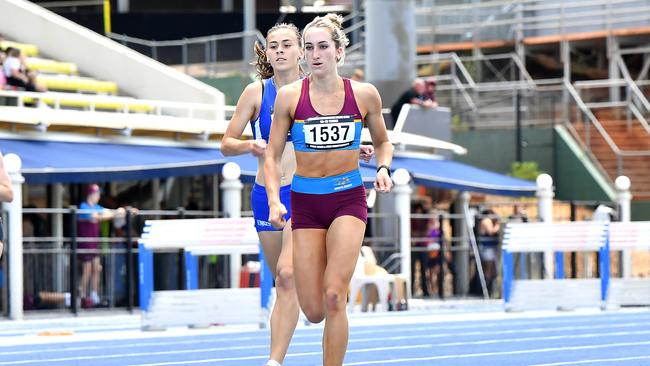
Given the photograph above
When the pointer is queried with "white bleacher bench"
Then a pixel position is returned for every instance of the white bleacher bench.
(561, 237)
(633, 235)
(193, 307)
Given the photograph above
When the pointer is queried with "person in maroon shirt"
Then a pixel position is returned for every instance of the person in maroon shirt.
(88, 233)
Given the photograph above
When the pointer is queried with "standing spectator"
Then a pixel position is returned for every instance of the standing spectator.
(88, 233)
(6, 195)
(489, 230)
(436, 261)
(414, 95)
(419, 244)
(518, 214)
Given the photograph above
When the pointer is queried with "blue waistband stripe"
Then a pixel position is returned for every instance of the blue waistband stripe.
(326, 185)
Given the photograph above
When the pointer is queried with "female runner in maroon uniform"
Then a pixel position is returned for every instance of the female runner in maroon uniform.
(325, 114)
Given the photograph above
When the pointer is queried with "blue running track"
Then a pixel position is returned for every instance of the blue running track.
(478, 339)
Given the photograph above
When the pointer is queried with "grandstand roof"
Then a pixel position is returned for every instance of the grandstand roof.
(48, 161)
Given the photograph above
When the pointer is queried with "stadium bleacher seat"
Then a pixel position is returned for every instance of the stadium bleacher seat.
(26, 49)
(77, 84)
(51, 66)
(130, 106)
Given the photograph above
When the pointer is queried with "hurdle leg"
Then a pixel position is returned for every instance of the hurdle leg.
(191, 271)
(507, 275)
(145, 279)
(559, 265)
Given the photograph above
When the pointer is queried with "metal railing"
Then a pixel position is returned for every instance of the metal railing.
(584, 109)
(511, 19)
(198, 55)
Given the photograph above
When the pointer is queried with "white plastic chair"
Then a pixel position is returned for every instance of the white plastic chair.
(384, 282)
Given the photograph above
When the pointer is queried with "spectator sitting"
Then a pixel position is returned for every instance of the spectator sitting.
(17, 74)
(415, 95)
(3, 79)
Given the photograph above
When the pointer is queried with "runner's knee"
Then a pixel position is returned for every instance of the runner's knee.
(284, 279)
(334, 299)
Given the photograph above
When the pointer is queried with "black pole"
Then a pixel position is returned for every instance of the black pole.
(573, 254)
(441, 274)
(129, 261)
(179, 257)
(74, 293)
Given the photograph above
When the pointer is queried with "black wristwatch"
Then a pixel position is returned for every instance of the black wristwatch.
(384, 167)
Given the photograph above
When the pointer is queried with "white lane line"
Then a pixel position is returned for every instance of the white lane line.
(503, 353)
(318, 336)
(215, 338)
(374, 349)
(599, 360)
(318, 343)
(545, 338)
(89, 328)
(441, 322)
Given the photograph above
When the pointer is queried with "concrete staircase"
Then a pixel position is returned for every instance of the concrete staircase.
(632, 138)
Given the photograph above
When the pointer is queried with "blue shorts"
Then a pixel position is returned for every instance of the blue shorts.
(260, 204)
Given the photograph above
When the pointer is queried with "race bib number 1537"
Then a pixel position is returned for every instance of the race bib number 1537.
(329, 132)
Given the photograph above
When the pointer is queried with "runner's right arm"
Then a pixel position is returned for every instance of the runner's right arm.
(246, 110)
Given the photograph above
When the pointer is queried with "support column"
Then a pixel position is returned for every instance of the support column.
(15, 244)
(228, 6)
(249, 27)
(215, 194)
(232, 188)
(123, 6)
(624, 199)
(155, 194)
(390, 25)
(565, 57)
(545, 207)
(57, 233)
(614, 72)
(461, 257)
(402, 192)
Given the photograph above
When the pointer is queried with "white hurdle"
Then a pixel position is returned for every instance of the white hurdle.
(628, 236)
(200, 308)
(586, 236)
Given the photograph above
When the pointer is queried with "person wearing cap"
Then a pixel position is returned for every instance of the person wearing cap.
(6, 195)
(92, 213)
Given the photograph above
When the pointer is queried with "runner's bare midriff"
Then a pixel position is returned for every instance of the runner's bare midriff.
(327, 163)
(287, 167)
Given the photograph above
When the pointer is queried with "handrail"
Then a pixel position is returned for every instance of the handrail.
(355, 26)
(186, 41)
(606, 13)
(93, 100)
(68, 4)
(451, 56)
(640, 117)
(592, 118)
(634, 89)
